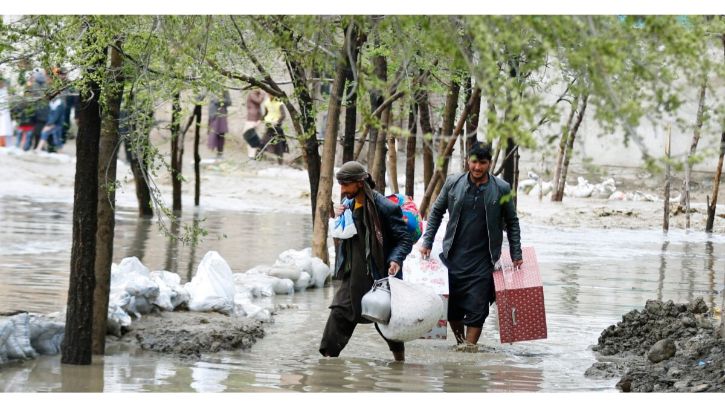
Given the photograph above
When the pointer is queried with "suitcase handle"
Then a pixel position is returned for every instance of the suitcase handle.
(513, 315)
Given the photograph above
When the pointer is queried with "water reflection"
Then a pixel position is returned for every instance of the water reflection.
(590, 279)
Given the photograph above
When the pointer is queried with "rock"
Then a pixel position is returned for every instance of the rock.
(653, 307)
(625, 384)
(697, 306)
(682, 385)
(703, 322)
(662, 350)
(688, 322)
(674, 373)
(700, 388)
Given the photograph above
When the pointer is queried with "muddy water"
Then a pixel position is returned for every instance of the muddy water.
(591, 277)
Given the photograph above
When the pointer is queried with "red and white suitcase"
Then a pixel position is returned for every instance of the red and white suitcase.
(520, 299)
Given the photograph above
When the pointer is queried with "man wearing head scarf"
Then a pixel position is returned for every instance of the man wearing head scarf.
(479, 207)
(377, 250)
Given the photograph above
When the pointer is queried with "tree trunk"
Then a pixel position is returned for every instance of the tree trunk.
(139, 129)
(438, 177)
(376, 99)
(106, 176)
(76, 348)
(176, 153)
(449, 119)
(570, 145)
(351, 86)
(381, 152)
(712, 204)
(562, 152)
(197, 157)
(685, 197)
(668, 179)
(378, 143)
(471, 124)
(324, 194)
(392, 155)
(427, 130)
(410, 151)
(310, 146)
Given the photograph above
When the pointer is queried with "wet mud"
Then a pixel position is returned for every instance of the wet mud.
(666, 347)
(190, 334)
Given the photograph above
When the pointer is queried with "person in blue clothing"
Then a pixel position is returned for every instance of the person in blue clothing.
(377, 250)
(52, 133)
(479, 206)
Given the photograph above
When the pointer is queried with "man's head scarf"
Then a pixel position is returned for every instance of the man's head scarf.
(351, 171)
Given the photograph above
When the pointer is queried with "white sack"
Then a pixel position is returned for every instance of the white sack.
(414, 310)
(212, 288)
(303, 282)
(320, 272)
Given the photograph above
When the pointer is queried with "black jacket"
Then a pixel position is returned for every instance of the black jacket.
(397, 243)
(500, 212)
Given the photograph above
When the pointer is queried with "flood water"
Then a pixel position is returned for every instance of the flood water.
(591, 278)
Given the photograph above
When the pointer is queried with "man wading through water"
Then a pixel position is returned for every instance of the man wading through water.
(479, 205)
(381, 244)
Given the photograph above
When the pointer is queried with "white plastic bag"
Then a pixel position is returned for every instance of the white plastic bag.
(414, 310)
(18, 343)
(343, 227)
(212, 288)
(259, 285)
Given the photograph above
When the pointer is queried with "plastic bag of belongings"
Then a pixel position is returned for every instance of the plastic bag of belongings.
(414, 311)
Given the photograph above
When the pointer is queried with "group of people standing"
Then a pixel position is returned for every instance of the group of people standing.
(261, 108)
(33, 121)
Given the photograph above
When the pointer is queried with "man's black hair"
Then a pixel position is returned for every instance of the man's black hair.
(482, 151)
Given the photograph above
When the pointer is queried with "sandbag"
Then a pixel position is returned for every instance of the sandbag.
(212, 288)
(256, 312)
(320, 272)
(284, 286)
(135, 279)
(18, 343)
(301, 259)
(414, 310)
(171, 292)
(260, 285)
(117, 319)
(303, 282)
(285, 270)
(6, 330)
(46, 335)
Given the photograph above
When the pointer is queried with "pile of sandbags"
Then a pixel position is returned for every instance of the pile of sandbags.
(25, 336)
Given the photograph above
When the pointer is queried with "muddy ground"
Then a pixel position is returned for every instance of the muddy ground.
(666, 347)
(189, 334)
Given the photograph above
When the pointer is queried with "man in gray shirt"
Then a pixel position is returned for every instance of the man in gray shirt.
(479, 205)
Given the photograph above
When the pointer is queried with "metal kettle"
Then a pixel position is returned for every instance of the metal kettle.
(376, 302)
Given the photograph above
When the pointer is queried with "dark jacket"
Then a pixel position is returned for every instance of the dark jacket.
(498, 215)
(397, 243)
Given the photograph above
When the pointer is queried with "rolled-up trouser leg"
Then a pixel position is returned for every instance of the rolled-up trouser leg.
(394, 346)
(337, 333)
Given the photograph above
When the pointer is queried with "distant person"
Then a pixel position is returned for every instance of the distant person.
(253, 119)
(478, 210)
(6, 122)
(218, 124)
(23, 111)
(51, 137)
(376, 251)
(274, 138)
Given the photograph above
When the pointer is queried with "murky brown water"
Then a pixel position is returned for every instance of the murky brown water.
(591, 277)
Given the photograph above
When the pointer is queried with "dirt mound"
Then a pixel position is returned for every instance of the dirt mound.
(665, 347)
(193, 333)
